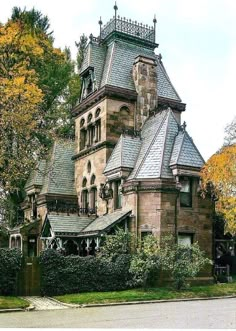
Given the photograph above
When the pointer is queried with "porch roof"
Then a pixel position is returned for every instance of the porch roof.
(65, 224)
(105, 222)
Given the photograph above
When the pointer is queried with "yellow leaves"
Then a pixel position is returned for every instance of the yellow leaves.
(220, 170)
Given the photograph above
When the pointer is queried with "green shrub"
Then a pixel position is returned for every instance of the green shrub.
(73, 274)
(10, 264)
(145, 262)
(181, 262)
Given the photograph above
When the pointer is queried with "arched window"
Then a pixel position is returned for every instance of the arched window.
(124, 110)
(84, 182)
(89, 118)
(92, 181)
(98, 130)
(98, 111)
(93, 200)
(82, 122)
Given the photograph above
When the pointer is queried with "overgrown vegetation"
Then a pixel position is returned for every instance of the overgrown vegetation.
(118, 267)
(10, 264)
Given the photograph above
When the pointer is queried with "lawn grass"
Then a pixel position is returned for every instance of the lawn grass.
(161, 293)
(12, 302)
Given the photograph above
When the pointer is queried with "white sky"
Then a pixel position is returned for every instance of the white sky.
(196, 39)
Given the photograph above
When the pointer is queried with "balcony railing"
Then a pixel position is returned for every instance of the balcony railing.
(129, 27)
(58, 206)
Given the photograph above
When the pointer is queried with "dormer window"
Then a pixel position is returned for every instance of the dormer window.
(88, 83)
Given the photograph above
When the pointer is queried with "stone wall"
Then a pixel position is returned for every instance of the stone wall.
(145, 80)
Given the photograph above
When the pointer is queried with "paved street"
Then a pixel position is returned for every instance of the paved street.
(189, 314)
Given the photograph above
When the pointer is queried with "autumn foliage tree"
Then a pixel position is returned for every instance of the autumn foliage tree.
(219, 177)
(38, 87)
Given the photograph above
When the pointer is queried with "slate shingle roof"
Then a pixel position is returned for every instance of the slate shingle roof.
(113, 66)
(106, 221)
(36, 176)
(56, 174)
(68, 223)
(124, 154)
(162, 146)
(185, 152)
(59, 174)
(78, 225)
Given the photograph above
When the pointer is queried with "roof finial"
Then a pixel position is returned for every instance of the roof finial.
(100, 23)
(183, 126)
(155, 22)
(115, 8)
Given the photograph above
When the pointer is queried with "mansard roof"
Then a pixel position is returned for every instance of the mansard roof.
(162, 146)
(56, 174)
(113, 64)
(124, 154)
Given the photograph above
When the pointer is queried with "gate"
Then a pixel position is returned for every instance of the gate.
(29, 277)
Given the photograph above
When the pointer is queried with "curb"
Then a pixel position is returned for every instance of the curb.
(152, 301)
(70, 305)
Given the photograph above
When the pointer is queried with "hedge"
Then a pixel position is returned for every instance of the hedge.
(73, 274)
(10, 264)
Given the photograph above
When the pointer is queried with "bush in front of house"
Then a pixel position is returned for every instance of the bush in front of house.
(73, 274)
(10, 264)
(181, 262)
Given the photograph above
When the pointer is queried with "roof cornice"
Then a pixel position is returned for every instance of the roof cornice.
(106, 91)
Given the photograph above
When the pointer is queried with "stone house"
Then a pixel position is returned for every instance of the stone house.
(132, 162)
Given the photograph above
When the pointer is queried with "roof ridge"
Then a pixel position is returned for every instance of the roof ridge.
(167, 76)
(150, 145)
(110, 62)
(181, 146)
(188, 136)
(169, 113)
(121, 151)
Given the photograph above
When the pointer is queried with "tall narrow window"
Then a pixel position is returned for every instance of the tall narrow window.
(83, 137)
(185, 192)
(93, 199)
(84, 201)
(117, 195)
(98, 130)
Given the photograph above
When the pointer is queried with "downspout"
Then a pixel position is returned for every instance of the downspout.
(136, 211)
(176, 217)
(178, 187)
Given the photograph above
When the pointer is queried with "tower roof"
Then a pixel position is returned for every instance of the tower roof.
(164, 144)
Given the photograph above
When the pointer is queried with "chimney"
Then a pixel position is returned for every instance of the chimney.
(145, 80)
